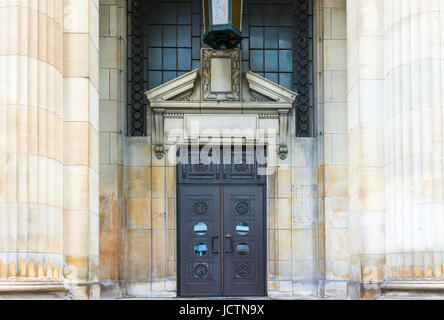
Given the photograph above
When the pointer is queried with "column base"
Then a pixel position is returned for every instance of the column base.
(27, 290)
(412, 290)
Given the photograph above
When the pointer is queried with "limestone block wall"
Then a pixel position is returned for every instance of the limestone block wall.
(81, 144)
(31, 141)
(112, 75)
(291, 223)
(150, 190)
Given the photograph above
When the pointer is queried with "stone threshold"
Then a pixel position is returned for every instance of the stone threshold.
(227, 298)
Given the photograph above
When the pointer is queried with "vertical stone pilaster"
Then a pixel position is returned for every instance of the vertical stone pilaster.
(31, 147)
(365, 49)
(81, 144)
(333, 244)
(113, 80)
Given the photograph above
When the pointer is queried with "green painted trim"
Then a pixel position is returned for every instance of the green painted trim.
(203, 13)
(230, 12)
(210, 13)
(222, 28)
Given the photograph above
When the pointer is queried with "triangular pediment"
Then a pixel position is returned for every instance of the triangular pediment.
(177, 89)
(263, 89)
(256, 91)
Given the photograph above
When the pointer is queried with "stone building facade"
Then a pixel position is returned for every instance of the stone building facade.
(354, 209)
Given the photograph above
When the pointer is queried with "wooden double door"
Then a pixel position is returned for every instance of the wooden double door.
(221, 239)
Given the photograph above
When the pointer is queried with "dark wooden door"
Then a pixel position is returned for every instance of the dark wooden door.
(221, 240)
(221, 227)
(199, 256)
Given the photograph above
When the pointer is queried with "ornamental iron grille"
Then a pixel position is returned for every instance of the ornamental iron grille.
(165, 38)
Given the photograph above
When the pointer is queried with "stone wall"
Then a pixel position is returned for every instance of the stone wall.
(145, 224)
(291, 223)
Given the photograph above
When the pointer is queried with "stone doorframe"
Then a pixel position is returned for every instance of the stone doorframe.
(138, 189)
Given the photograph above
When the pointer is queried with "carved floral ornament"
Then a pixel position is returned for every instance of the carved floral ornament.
(221, 80)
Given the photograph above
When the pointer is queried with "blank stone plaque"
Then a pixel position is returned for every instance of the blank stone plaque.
(221, 75)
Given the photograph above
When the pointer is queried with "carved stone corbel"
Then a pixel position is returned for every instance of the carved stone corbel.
(159, 147)
(283, 134)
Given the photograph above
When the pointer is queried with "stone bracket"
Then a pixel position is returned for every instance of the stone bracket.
(283, 133)
(159, 147)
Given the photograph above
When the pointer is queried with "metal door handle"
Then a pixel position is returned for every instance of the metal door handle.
(212, 244)
(228, 236)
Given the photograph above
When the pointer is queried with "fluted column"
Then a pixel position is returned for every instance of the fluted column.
(413, 126)
(31, 141)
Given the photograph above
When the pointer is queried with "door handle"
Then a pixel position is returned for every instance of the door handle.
(212, 244)
(228, 236)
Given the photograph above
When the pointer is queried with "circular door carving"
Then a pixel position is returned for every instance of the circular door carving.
(201, 270)
(200, 207)
(242, 270)
(242, 207)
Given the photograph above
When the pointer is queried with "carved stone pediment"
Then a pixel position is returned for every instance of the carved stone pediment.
(220, 91)
(175, 90)
(265, 89)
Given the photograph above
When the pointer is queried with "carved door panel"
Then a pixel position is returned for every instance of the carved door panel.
(199, 240)
(221, 240)
(244, 252)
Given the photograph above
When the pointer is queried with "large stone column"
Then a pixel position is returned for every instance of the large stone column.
(413, 121)
(365, 52)
(396, 144)
(31, 144)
